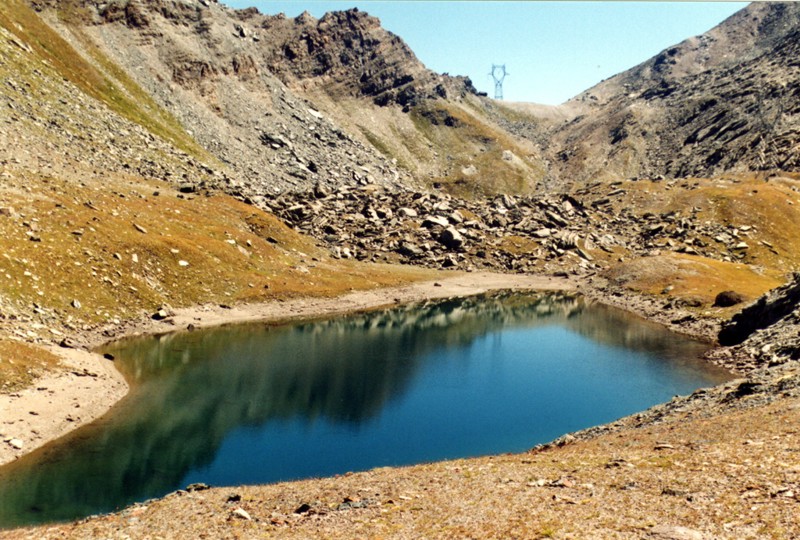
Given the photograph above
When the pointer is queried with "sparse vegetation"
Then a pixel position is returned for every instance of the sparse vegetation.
(496, 162)
(231, 251)
(114, 87)
(21, 364)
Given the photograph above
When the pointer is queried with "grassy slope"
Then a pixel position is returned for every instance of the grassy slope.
(73, 253)
(770, 208)
(90, 235)
(422, 143)
(475, 142)
(21, 364)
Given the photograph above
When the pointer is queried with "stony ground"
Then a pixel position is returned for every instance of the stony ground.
(732, 220)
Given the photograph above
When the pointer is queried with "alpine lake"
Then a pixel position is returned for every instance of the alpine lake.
(261, 403)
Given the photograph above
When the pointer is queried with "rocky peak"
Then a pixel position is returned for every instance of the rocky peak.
(305, 18)
(349, 53)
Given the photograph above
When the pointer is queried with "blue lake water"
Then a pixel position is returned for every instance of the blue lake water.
(262, 403)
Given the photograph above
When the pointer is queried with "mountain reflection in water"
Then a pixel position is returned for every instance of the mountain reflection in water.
(223, 399)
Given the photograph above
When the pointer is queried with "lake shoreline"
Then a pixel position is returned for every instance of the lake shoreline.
(89, 385)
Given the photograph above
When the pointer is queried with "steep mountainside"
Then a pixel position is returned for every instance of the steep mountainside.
(348, 53)
(291, 103)
(744, 36)
(724, 101)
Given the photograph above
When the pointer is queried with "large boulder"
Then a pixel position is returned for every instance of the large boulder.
(451, 238)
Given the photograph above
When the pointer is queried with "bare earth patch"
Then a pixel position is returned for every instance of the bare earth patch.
(82, 390)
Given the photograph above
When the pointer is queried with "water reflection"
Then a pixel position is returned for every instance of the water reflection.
(281, 398)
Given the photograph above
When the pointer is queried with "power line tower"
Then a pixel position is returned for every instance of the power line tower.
(498, 74)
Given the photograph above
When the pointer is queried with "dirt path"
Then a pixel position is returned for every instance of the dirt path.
(90, 385)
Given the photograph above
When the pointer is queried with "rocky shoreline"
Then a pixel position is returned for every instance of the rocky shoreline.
(764, 382)
(32, 417)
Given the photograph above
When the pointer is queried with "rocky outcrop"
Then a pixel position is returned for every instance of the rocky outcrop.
(223, 74)
(770, 327)
(350, 53)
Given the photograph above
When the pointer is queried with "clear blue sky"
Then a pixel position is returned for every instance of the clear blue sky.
(552, 50)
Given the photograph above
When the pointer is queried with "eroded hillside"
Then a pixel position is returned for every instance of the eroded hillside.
(723, 101)
(291, 103)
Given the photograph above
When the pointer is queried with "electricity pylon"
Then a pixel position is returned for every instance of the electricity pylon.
(498, 74)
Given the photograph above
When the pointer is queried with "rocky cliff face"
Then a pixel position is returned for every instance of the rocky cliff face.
(770, 326)
(344, 53)
(349, 53)
(208, 65)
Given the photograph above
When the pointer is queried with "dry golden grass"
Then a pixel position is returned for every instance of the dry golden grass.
(690, 276)
(21, 364)
(770, 208)
(91, 248)
(769, 211)
(518, 244)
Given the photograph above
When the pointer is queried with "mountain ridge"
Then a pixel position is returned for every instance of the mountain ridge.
(244, 82)
(696, 109)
